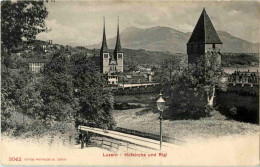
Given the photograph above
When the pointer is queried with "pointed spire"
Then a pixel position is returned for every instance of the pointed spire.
(104, 41)
(204, 31)
(118, 44)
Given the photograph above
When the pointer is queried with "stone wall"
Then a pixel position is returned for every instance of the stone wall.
(240, 102)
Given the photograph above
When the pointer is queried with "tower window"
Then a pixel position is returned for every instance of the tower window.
(106, 55)
(120, 55)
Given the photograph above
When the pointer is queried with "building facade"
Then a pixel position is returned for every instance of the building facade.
(36, 66)
(111, 62)
(204, 39)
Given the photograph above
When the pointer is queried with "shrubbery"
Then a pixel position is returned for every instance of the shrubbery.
(240, 113)
(70, 92)
(59, 131)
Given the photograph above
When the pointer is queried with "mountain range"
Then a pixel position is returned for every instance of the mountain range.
(170, 40)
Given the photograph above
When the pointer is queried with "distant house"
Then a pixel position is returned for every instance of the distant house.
(45, 47)
(112, 79)
(37, 65)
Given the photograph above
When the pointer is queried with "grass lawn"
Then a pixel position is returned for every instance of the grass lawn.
(188, 130)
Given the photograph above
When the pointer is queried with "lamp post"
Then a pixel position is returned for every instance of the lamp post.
(160, 106)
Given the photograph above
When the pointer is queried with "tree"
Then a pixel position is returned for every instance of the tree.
(57, 90)
(21, 20)
(7, 98)
(13, 85)
(193, 91)
(169, 73)
(95, 101)
(29, 101)
(131, 67)
(208, 74)
(73, 90)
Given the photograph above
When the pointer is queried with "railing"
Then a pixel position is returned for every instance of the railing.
(128, 141)
(105, 142)
(150, 136)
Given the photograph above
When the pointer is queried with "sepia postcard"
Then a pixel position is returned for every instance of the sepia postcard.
(130, 83)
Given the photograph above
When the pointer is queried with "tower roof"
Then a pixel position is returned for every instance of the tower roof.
(204, 31)
(118, 47)
(104, 47)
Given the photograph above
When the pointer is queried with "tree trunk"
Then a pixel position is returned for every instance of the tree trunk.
(210, 99)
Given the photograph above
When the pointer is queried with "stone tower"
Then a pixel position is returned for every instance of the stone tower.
(118, 52)
(204, 39)
(111, 63)
(104, 53)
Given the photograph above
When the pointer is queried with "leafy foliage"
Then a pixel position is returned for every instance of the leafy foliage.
(70, 91)
(96, 103)
(21, 20)
(13, 85)
(71, 88)
(170, 71)
(193, 92)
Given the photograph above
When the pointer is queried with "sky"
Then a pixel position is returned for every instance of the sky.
(81, 22)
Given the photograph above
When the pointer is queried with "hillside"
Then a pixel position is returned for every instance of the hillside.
(137, 57)
(170, 40)
(237, 45)
(143, 57)
(153, 58)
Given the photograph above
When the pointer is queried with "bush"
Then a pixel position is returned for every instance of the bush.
(240, 113)
(59, 131)
(177, 113)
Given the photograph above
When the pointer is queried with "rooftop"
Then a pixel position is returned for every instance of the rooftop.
(204, 31)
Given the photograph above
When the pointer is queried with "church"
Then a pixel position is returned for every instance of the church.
(111, 63)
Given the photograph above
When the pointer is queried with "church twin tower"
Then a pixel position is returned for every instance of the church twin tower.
(111, 62)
